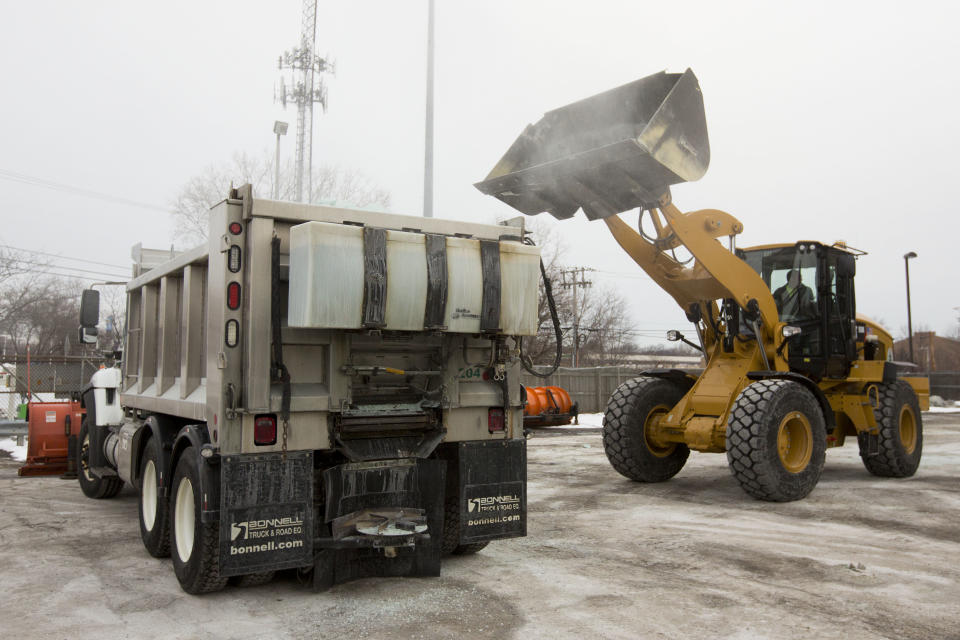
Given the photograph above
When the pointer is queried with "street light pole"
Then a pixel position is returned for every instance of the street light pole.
(279, 128)
(906, 266)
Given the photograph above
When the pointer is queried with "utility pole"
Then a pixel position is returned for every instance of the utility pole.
(428, 134)
(576, 281)
(304, 92)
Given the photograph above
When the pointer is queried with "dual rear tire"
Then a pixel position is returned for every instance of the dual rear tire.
(174, 526)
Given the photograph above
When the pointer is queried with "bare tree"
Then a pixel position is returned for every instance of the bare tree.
(605, 326)
(331, 185)
(36, 309)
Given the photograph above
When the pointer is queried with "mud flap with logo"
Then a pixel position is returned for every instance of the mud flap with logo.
(266, 512)
(493, 490)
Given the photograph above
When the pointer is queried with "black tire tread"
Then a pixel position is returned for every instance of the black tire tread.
(620, 429)
(252, 579)
(747, 434)
(892, 461)
(160, 546)
(207, 542)
(450, 542)
(99, 488)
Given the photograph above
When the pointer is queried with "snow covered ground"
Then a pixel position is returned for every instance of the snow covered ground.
(10, 446)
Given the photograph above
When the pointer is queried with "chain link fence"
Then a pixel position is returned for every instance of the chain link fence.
(43, 378)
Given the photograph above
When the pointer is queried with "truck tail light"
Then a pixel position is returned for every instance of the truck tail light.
(235, 228)
(231, 333)
(233, 295)
(233, 258)
(265, 429)
(495, 420)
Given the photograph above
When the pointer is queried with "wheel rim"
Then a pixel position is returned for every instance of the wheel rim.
(184, 528)
(908, 429)
(795, 442)
(148, 495)
(649, 427)
(85, 458)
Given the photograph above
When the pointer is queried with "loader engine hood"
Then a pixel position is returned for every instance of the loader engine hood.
(609, 153)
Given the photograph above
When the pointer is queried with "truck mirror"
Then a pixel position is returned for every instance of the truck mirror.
(89, 308)
(88, 335)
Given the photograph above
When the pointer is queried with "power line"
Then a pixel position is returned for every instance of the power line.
(65, 188)
(54, 255)
(68, 275)
(69, 268)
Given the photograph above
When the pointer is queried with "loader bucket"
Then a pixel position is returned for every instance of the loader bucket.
(609, 153)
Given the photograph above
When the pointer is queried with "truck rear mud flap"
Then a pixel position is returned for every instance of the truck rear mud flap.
(492, 489)
(266, 512)
(381, 518)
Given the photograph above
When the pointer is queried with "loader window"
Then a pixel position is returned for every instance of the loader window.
(791, 275)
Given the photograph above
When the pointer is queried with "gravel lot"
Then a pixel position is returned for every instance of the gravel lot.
(605, 557)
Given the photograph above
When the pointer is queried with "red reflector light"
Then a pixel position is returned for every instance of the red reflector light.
(495, 419)
(265, 430)
(233, 295)
(235, 228)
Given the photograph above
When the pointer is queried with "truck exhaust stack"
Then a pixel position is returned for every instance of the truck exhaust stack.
(609, 153)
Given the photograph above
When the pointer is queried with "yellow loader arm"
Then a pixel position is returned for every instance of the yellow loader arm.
(716, 272)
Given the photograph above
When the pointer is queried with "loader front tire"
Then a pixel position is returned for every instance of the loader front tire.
(154, 510)
(776, 440)
(900, 433)
(91, 484)
(195, 545)
(633, 410)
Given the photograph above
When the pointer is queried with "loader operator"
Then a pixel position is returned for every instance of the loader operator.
(794, 299)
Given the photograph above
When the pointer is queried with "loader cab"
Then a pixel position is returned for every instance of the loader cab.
(820, 302)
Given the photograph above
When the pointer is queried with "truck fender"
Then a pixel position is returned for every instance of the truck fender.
(164, 429)
(829, 419)
(196, 436)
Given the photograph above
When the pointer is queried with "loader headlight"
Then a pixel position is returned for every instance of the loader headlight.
(790, 331)
(673, 335)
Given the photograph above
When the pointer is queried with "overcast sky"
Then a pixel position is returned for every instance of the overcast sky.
(827, 120)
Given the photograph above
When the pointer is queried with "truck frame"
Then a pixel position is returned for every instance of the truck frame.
(339, 452)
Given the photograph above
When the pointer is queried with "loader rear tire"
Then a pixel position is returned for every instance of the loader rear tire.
(901, 433)
(631, 412)
(776, 440)
(450, 544)
(92, 485)
(154, 510)
(195, 545)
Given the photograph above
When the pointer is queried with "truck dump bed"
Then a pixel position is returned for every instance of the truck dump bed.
(444, 292)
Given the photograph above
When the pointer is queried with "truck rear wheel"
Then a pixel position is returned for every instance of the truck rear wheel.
(776, 440)
(92, 485)
(154, 511)
(252, 579)
(195, 545)
(634, 409)
(900, 433)
(451, 531)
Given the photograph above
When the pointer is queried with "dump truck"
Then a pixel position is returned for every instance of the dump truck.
(321, 389)
(791, 368)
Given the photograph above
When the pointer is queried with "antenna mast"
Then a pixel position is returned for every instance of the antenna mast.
(304, 91)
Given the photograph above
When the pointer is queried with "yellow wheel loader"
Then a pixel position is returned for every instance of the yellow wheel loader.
(791, 369)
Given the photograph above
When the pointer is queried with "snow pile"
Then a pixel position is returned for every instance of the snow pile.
(10, 446)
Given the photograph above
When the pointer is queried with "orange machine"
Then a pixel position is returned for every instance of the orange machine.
(49, 427)
(548, 406)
